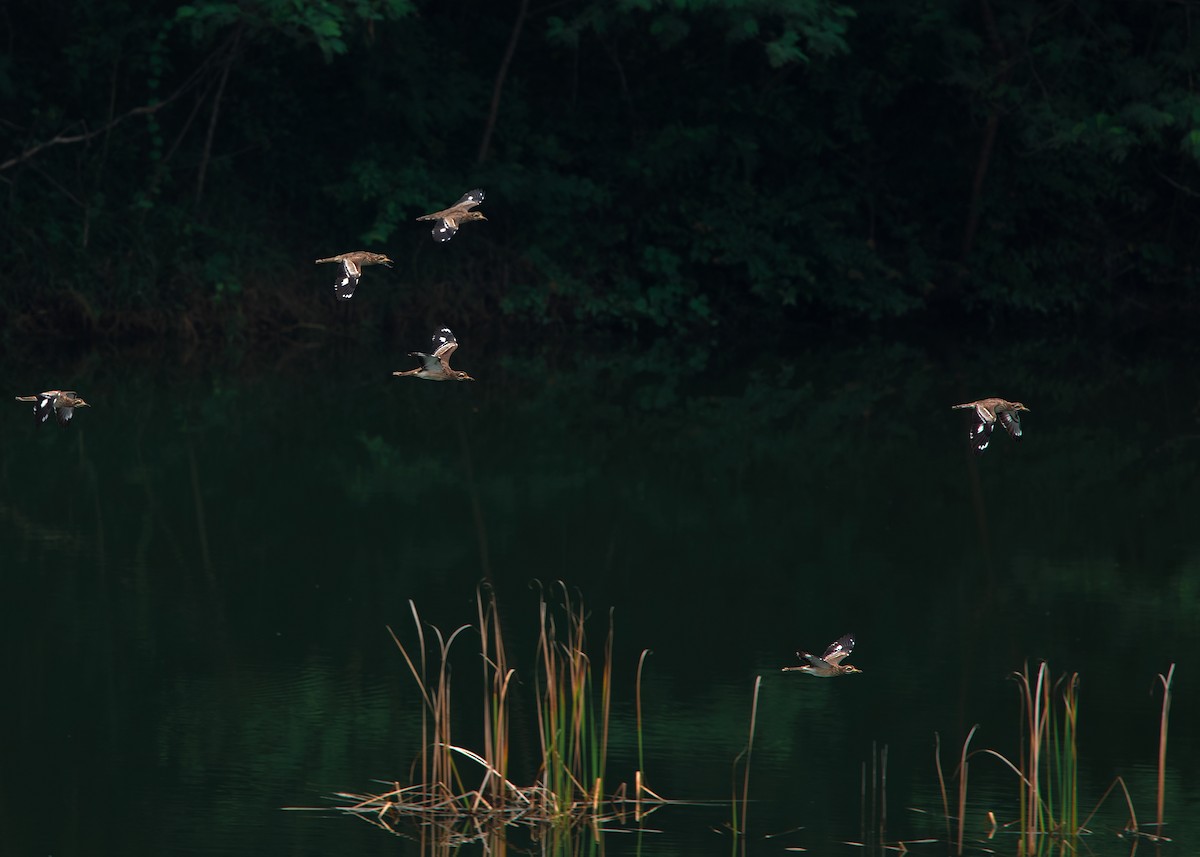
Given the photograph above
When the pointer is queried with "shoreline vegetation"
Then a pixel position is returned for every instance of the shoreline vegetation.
(454, 795)
(1047, 770)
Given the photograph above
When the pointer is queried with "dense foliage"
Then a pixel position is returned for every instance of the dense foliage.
(673, 162)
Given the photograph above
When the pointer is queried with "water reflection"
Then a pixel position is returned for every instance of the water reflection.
(197, 609)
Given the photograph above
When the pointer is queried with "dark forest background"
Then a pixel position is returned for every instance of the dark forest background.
(677, 164)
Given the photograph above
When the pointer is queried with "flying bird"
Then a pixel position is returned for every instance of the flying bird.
(449, 219)
(352, 265)
(829, 664)
(60, 403)
(987, 413)
(436, 366)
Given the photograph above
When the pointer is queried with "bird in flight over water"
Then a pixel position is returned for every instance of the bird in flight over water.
(60, 403)
(829, 664)
(987, 413)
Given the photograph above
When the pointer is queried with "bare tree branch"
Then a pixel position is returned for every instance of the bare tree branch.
(212, 121)
(501, 74)
(83, 137)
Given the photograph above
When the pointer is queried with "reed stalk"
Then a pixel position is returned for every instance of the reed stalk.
(1066, 755)
(436, 762)
(738, 825)
(873, 832)
(1162, 745)
(883, 762)
(496, 680)
(1131, 825)
(937, 761)
(1035, 722)
(962, 786)
(641, 758)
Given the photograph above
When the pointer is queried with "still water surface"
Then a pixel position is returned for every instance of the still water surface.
(199, 572)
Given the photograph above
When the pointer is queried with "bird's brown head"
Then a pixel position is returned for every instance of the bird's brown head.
(473, 215)
(382, 259)
(462, 376)
(1017, 406)
(847, 669)
(80, 403)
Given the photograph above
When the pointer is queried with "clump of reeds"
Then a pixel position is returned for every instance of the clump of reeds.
(574, 703)
(1049, 776)
(1047, 767)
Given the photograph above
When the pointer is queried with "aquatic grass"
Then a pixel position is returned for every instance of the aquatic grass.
(1048, 803)
(937, 764)
(960, 775)
(873, 812)
(435, 760)
(574, 705)
(1047, 767)
(738, 819)
(1163, 720)
(573, 733)
(872, 824)
(497, 678)
(640, 773)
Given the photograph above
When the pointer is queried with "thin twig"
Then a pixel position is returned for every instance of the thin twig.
(144, 110)
(212, 120)
(498, 86)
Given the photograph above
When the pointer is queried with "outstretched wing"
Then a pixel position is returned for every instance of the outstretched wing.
(444, 344)
(445, 229)
(469, 200)
(351, 273)
(1011, 420)
(839, 650)
(44, 408)
(981, 435)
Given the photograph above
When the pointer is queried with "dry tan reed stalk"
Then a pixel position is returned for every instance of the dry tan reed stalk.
(1162, 742)
(606, 697)
(739, 827)
(937, 761)
(637, 691)
(496, 676)
(1131, 825)
(1035, 706)
(962, 786)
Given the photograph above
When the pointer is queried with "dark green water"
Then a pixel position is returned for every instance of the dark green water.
(198, 574)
